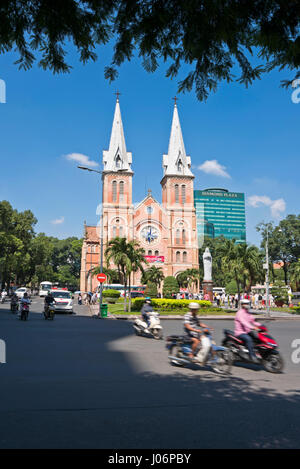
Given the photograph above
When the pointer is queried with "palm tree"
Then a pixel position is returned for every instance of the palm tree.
(113, 275)
(153, 274)
(295, 274)
(136, 255)
(128, 257)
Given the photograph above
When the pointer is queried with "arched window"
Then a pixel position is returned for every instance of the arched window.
(149, 253)
(183, 194)
(114, 191)
(114, 231)
(179, 166)
(177, 236)
(121, 232)
(177, 256)
(156, 253)
(183, 237)
(121, 190)
(176, 193)
(184, 256)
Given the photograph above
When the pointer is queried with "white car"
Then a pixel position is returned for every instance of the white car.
(20, 292)
(63, 300)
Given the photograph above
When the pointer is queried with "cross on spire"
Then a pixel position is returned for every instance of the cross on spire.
(175, 100)
(117, 93)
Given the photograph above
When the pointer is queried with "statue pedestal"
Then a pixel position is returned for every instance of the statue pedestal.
(208, 289)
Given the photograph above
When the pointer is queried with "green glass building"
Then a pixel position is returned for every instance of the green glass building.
(220, 212)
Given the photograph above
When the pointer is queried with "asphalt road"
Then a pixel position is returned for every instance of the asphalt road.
(79, 382)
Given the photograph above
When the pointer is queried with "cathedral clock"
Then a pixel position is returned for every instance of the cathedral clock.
(149, 234)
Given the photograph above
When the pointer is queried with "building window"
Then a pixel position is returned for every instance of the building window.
(179, 166)
(183, 194)
(149, 253)
(114, 191)
(177, 256)
(118, 162)
(183, 237)
(177, 236)
(184, 256)
(121, 189)
(121, 231)
(176, 193)
(156, 253)
(114, 231)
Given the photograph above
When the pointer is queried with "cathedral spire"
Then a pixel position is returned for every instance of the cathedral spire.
(176, 162)
(117, 158)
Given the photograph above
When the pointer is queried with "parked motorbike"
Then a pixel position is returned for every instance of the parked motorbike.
(24, 311)
(153, 330)
(265, 348)
(49, 311)
(180, 347)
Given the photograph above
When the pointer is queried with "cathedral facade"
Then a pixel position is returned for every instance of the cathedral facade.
(166, 230)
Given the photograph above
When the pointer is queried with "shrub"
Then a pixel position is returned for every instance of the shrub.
(170, 287)
(168, 305)
(111, 294)
(151, 290)
(296, 309)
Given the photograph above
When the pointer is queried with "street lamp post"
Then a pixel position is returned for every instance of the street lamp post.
(101, 233)
(267, 276)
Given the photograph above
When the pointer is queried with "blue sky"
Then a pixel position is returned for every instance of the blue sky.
(245, 140)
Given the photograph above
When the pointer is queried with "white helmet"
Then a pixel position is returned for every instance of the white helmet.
(245, 302)
(194, 306)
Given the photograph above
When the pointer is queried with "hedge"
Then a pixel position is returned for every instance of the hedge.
(296, 309)
(111, 294)
(167, 305)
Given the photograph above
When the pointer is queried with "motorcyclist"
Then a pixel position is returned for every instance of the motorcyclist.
(23, 301)
(49, 298)
(14, 301)
(245, 327)
(146, 310)
(192, 326)
(3, 295)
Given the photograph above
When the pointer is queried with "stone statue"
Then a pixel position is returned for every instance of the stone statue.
(207, 263)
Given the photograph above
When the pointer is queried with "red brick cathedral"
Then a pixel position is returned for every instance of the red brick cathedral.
(167, 231)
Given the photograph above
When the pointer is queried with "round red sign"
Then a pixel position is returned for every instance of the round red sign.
(101, 278)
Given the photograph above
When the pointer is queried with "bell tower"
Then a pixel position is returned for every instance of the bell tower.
(178, 201)
(117, 183)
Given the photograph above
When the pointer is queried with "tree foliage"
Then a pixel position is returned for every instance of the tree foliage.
(208, 38)
(27, 257)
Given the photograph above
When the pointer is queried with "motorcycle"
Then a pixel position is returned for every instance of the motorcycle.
(153, 330)
(49, 311)
(14, 306)
(24, 311)
(265, 348)
(208, 353)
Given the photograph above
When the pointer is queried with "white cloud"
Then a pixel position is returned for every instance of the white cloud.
(215, 168)
(277, 206)
(82, 159)
(58, 221)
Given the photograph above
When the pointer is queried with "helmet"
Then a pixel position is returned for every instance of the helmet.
(194, 306)
(245, 302)
(148, 299)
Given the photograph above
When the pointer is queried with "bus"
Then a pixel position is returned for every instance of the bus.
(44, 288)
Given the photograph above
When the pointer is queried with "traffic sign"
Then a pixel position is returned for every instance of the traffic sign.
(101, 278)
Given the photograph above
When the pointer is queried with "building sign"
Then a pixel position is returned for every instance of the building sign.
(152, 259)
(222, 194)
